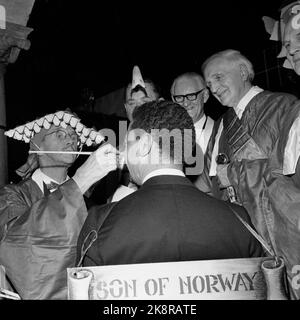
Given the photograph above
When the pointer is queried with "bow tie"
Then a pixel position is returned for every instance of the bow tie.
(50, 186)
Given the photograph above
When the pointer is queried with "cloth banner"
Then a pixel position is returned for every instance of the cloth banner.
(238, 279)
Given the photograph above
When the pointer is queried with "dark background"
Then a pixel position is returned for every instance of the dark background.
(92, 46)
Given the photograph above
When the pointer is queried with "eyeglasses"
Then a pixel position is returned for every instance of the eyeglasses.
(190, 96)
(62, 135)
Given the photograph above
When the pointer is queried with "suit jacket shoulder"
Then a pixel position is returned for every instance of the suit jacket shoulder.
(95, 219)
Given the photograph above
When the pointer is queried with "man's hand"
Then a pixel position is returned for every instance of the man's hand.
(97, 166)
(222, 175)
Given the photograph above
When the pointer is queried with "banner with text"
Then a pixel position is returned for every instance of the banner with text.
(187, 280)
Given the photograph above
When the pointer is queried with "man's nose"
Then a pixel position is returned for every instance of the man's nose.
(185, 102)
(214, 87)
(70, 140)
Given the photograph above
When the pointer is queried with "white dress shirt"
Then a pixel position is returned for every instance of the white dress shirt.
(203, 128)
(239, 110)
(162, 172)
(124, 191)
(39, 177)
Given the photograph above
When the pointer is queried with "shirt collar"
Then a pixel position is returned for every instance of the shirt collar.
(165, 171)
(39, 177)
(239, 109)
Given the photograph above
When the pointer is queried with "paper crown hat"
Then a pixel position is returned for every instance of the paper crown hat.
(137, 78)
(27, 131)
(276, 28)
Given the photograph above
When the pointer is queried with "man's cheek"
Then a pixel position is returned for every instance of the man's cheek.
(130, 155)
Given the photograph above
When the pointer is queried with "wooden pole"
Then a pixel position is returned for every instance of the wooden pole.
(3, 143)
(13, 38)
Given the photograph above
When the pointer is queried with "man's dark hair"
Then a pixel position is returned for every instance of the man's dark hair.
(167, 117)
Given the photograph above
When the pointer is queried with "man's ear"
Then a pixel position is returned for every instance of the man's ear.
(244, 72)
(144, 145)
(205, 95)
(129, 111)
(126, 107)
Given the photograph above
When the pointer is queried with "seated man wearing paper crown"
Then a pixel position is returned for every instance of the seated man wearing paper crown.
(39, 225)
(138, 92)
(167, 218)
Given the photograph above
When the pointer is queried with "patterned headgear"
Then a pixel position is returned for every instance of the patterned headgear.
(35, 131)
(28, 131)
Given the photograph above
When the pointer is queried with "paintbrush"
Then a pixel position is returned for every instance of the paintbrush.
(120, 157)
(61, 152)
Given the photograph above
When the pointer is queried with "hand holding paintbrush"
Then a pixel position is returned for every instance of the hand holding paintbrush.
(102, 161)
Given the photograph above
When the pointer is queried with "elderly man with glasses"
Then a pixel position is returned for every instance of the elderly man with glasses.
(189, 90)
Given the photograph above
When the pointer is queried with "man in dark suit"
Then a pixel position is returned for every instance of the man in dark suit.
(167, 218)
